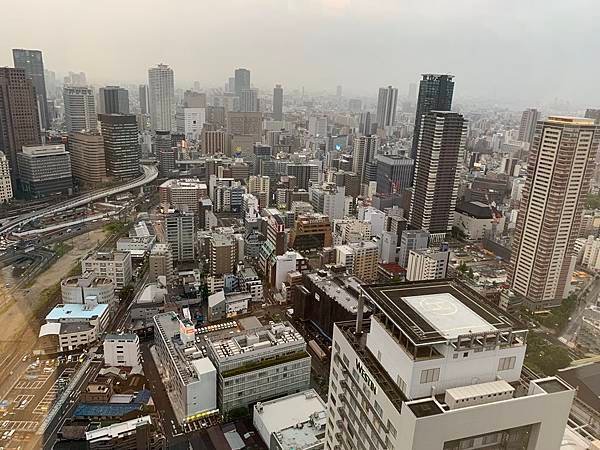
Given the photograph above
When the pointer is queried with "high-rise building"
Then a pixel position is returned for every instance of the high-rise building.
(121, 146)
(258, 185)
(278, 102)
(193, 99)
(88, 162)
(560, 166)
(364, 125)
(193, 119)
(365, 149)
(160, 263)
(440, 148)
(32, 62)
(386, 107)
(161, 98)
(529, 120)
(360, 259)
(222, 254)
(144, 99)
(6, 191)
(593, 114)
(411, 240)
(80, 109)
(394, 173)
(242, 81)
(435, 94)
(180, 233)
(19, 120)
(410, 378)
(215, 142)
(317, 126)
(44, 170)
(113, 100)
(249, 100)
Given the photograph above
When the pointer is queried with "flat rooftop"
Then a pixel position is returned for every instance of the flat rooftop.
(343, 289)
(74, 311)
(436, 311)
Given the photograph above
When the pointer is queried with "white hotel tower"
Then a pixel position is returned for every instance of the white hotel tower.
(437, 368)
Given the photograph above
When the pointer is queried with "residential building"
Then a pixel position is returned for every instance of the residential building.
(6, 190)
(427, 264)
(18, 115)
(160, 263)
(161, 91)
(560, 166)
(296, 421)
(439, 148)
(259, 364)
(45, 170)
(121, 147)
(182, 193)
(136, 433)
(328, 199)
(435, 94)
(88, 163)
(114, 265)
(394, 173)
(223, 254)
(32, 62)
(278, 102)
(360, 259)
(529, 120)
(87, 288)
(113, 100)
(411, 240)
(80, 109)
(259, 186)
(386, 107)
(410, 378)
(122, 350)
(365, 149)
(180, 234)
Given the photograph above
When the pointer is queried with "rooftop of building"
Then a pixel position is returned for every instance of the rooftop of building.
(128, 337)
(87, 280)
(117, 429)
(476, 210)
(586, 379)
(75, 311)
(107, 256)
(567, 120)
(221, 240)
(436, 311)
(344, 289)
(184, 183)
(74, 327)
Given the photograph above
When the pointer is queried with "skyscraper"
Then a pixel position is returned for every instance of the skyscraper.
(561, 162)
(88, 163)
(435, 94)
(161, 98)
(394, 173)
(121, 146)
(144, 98)
(440, 147)
(529, 121)
(249, 100)
(278, 102)
(365, 149)
(113, 100)
(386, 107)
(19, 120)
(80, 109)
(242, 80)
(32, 62)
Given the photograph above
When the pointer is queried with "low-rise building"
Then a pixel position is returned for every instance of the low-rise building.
(360, 259)
(475, 219)
(221, 305)
(122, 350)
(138, 246)
(427, 264)
(293, 422)
(160, 263)
(114, 265)
(132, 434)
(87, 288)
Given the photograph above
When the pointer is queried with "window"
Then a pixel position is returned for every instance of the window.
(507, 363)
(401, 383)
(391, 428)
(378, 409)
(430, 375)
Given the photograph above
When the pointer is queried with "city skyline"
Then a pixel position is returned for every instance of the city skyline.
(499, 57)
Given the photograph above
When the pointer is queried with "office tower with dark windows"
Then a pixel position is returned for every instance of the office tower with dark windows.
(364, 125)
(529, 120)
(242, 81)
(436, 177)
(559, 169)
(278, 102)
(121, 146)
(44, 170)
(144, 99)
(386, 107)
(80, 109)
(113, 100)
(394, 173)
(19, 120)
(435, 94)
(161, 94)
(32, 62)
(365, 149)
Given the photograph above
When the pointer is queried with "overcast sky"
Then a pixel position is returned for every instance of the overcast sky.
(526, 51)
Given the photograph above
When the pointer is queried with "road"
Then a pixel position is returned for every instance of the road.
(572, 327)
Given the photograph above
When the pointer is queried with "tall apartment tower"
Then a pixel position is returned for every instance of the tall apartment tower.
(80, 109)
(144, 98)
(6, 190)
(278, 102)
(242, 80)
(529, 121)
(161, 93)
(440, 147)
(113, 100)
(19, 120)
(32, 62)
(160, 263)
(560, 166)
(365, 149)
(180, 231)
(386, 107)
(435, 94)
(121, 146)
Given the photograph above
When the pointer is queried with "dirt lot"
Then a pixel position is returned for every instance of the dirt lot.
(19, 319)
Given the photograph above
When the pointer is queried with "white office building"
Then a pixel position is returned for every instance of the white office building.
(114, 265)
(6, 191)
(193, 119)
(436, 367)
(427, 264)
(88, 288)
(122, 350)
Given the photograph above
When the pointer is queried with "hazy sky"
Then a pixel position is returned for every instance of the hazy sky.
(527, 51)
